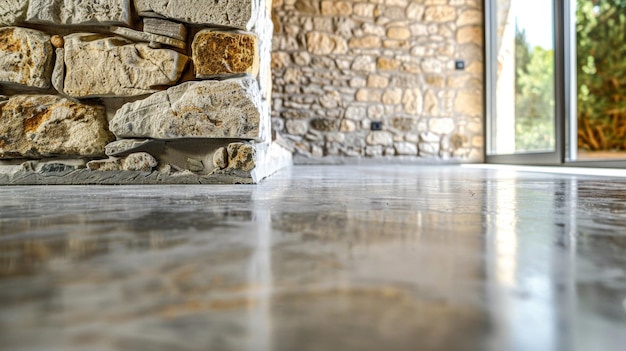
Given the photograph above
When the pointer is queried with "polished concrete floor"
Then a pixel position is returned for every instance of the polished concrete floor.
(319, 258)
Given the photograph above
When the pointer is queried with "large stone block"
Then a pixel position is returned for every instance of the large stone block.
(12, 12)
(33, 126)
(217, 53)
(25, 57)
(239, 14)
(113, 66)
(101, 12)
(207, 109)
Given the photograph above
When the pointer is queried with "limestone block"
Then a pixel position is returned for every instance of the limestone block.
(25, 57)
(239, 14)
(58, 73)
(241, 156)
(404, 148)
(469, 103)
(124, 146)
(379, 138)
(147, 37)
(99, 66)
(101, 12)
(12, 12)
(136, 162)
(220, 158)
(319, 43)
(207, 109)
(139, 161)
(166, 28)
(441, 13)
(33, 126)
(217, 53)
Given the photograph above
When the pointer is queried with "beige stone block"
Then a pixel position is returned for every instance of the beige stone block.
(431, 104)
(216, 53)
(368, 95)
(442, 126)
(398, 33)
(432, 65)
(319, 43)
(85, 12)
(336, 8)
(381, 138)
(280, 60)
(404, 148)
(307, 7)
(364, 64)
(101, 66)
(25, 57)
(413, 101)
(364, 10)
(240, 14)
(392, 96)
(166, 28)
(472, 35)
(470, 17)
(376, 81)
(440, 13)
(35, 126)
(388, 64)
(12, 12)
(469, 103)
(415, 11)
(207, 109)
(147, 37)
(347, 126)
(367, 42)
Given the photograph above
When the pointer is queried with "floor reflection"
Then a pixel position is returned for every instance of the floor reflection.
(337, 258)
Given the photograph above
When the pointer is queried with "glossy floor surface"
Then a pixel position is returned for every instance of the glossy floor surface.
(319, 258)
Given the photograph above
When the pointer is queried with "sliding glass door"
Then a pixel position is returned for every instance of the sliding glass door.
(598, 128)
(556, 82)
(525, 81)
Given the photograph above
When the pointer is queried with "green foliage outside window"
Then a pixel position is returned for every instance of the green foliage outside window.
(534, 96)
(601, 40)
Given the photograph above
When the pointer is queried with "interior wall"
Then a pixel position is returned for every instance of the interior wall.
(341, 66)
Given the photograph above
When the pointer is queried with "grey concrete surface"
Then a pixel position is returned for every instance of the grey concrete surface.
(319, 258)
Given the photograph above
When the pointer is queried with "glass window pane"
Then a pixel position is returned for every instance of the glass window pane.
(525, 103)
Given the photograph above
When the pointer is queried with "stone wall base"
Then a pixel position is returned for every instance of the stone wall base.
(268, 159)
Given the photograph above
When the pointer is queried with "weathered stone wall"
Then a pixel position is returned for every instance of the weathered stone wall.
(339, 66)
(177, 87)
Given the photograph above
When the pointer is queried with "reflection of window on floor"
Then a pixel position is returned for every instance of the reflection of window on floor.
(601, 41)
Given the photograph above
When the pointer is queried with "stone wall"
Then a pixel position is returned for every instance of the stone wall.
(142, 91)
(341, 66)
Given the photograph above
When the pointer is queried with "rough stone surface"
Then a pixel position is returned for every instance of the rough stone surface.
(147, 37)
(34, 126)
(113, 66)
(208, 109)
(101, 12)
(220, 158)
(25, 57)
(166, 28)
(217, 53)
(230, 13)
(135, 162)
(12, 12)
(241, 156)
(387, 60)
(124, 146)
(139, 161)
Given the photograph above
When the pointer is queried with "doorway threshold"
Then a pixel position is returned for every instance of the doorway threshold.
(603, 172)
